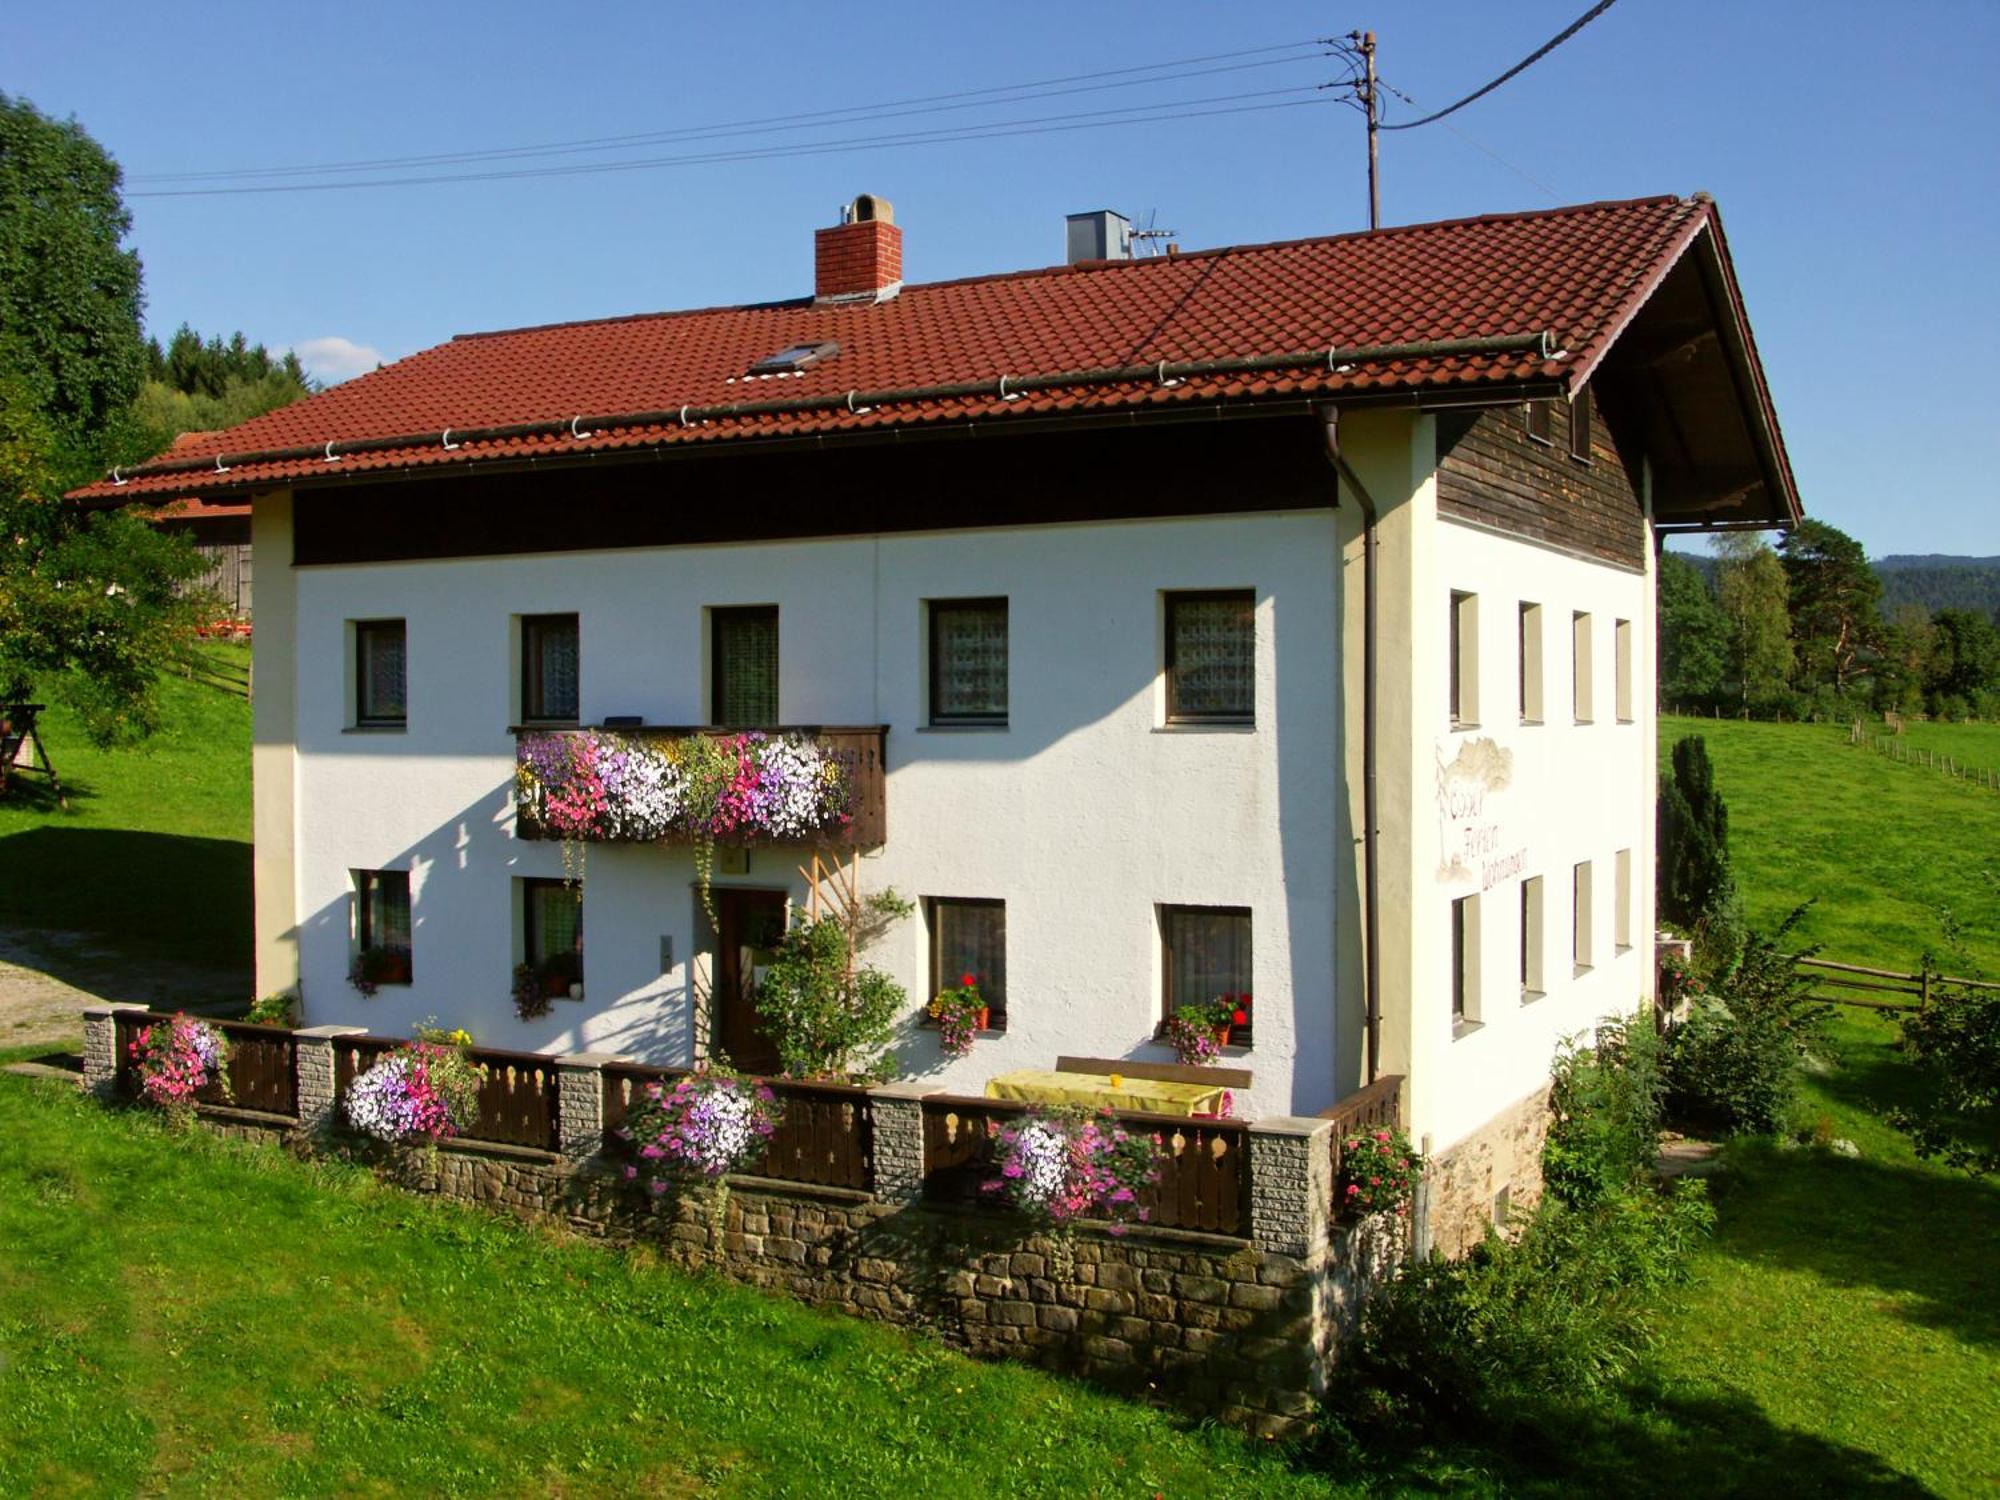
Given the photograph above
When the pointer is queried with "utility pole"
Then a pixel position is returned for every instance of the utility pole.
(1371, 106)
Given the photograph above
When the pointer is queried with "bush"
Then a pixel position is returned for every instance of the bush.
(1561, 1312)
(1605, 1135)
(1957, 1044)
(1735, 1063)
(826, 1015)
(1697, 891)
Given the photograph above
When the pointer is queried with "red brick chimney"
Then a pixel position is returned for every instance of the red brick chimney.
(860, 259)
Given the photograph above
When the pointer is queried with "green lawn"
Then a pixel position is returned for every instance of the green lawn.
(1853, 1299)
(1969, 745)
(154, 849)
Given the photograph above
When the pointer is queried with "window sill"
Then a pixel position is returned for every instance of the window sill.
(1621, 950)
(1580, 970)
(1000, 727)
(1462, 1029)
(1529, 997)
(1583, 723)
(1627, 719)
(1457, 725)
(402, 728)
(527, 724)
(1527, 723)
(1207, 726)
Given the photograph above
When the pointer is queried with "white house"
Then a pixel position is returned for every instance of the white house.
(1271, 621)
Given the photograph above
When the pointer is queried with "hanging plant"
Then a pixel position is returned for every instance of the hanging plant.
(424, 1092)
(705, 1126)
(175, 1060)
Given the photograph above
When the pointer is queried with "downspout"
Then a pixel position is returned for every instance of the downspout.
(1371, 877)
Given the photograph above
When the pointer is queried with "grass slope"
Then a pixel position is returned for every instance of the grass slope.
(154, 849)
(1853, 1299)
(195, 1316)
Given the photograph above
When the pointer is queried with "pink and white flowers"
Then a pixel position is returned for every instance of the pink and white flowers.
(1062, 1166)
(175, 1060)
(424, 1092)
(705, 1126)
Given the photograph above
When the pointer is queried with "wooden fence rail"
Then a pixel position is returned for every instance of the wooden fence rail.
(825, 1136)
(517, 1090)
(1204, 1179)
(1377, 1106)
(1900, 750)
(1853, 980)
(263, 1062)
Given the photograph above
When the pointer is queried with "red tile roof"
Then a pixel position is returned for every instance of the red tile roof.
(1579, 273)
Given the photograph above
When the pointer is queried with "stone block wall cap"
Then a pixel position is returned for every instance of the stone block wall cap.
(331, 1031)
(904, 1090)
(590, 1059)
(1289, 1125)
(101, 1009)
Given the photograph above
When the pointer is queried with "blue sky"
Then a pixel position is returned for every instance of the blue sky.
(1851, 148)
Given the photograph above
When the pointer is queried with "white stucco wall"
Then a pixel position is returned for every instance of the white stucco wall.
(1573, 792)
(1084, 814)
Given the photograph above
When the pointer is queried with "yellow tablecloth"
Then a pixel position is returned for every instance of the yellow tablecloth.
(1094, 1091)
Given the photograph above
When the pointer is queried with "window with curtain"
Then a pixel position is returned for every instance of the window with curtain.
(970, 937)
(381, 693)
(549, 668)
(1212, 656)
(382, 911)
(744, 678)
(552, 925)
(1207, 957)
(969, 661)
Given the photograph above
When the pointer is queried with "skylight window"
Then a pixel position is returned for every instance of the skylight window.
(798, 357)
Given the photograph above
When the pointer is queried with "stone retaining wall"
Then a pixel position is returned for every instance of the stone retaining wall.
(1465, 1181)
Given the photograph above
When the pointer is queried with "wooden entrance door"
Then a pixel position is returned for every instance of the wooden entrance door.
(750, 925)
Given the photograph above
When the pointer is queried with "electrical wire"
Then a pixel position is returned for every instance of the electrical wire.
(1520, 67)
(1480, 146)
(996, 95)
(1144, 114)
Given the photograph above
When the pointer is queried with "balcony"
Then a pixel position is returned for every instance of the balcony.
(799, 784)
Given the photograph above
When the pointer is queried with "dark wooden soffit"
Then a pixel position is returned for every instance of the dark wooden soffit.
(1684, 381)
(1093, 475)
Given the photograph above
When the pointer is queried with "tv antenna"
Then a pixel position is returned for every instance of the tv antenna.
(1146, 239)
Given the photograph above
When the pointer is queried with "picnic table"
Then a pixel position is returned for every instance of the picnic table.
(1114, 1091)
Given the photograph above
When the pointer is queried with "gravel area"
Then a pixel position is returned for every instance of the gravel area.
(46, 978)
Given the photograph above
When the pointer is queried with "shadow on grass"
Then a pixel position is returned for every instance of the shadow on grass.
(151, 896)
(1643, 1442)
(34, 794)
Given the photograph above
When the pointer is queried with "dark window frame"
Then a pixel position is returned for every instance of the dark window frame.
(363, 630)
(1580, 414)
(533, 689)
(997, 1021)
(1460, 909)
(1178, 597)
(718, 677)
(366, 884)
(530, 886)
(940, 716)
(1244, 1036)
(1538, 421)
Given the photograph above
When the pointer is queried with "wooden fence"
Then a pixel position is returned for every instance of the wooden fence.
(1846, 984)
(1900, 750)
(517, 1090)
(825, 1136)
(1377, 1106)
(1204, 1179)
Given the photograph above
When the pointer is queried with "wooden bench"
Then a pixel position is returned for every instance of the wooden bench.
(1229, 1078)
(18, 733)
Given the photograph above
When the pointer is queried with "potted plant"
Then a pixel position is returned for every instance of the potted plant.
(1057, 1165)
(561, 974)
(1198, 1032)
(1379, 1172)
(374, 967)
(961, 1014)
(423, 1092)
(703, 1127)
(175, 1060)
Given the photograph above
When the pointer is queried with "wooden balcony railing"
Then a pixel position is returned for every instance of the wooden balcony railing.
(1379, 1106)
(858, 751)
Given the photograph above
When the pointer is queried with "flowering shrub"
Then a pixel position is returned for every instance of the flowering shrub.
(960, 1013)
(705, 1126)
(423, 1092)
(600, 784)
(1058, 1166)
(175, 1060)
(1379, 1172)
(1195, 1031)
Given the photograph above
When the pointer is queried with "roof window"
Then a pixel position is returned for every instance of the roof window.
(798, 357)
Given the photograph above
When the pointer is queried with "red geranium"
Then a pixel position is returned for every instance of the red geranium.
(967, 981)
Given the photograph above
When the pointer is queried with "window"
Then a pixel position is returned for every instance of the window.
(1532, 984)
(381, 695)
(382, 925)
(1212, 657)
(1464, 665)
(1540, 421)
(1621, 916)
(1530, 635)
(1621, 636)
(1579, 425)
(1465, 961)
(1582, 918)
(744, 671)
(1581, 668)
(552, 933)
(1206, 957)
(969, 661)
(970, 937)
(549, 669)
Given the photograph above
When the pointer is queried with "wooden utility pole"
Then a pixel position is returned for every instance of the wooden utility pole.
(1370, 102)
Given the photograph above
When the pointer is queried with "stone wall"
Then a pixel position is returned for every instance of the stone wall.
(1465, 1181)
(1241, 1329)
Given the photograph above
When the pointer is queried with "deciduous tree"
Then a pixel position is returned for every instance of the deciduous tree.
(1751, 589)
(1694, 635)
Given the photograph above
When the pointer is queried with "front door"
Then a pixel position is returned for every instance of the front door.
(750, 926)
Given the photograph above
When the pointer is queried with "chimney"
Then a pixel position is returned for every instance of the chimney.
(1099, 235)
(860, 259)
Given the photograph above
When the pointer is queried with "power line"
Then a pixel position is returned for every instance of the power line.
(998, 94)
(1525, 63)
(1479, 145)
(1146, 114)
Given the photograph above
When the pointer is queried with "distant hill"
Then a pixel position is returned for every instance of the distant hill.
(1940, 582)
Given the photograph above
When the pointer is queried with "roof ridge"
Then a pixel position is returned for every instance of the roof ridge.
(1090, 268)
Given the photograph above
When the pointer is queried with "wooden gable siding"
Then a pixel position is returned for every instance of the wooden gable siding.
(1491, 472)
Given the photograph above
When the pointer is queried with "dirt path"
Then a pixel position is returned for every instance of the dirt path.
(46, 979)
